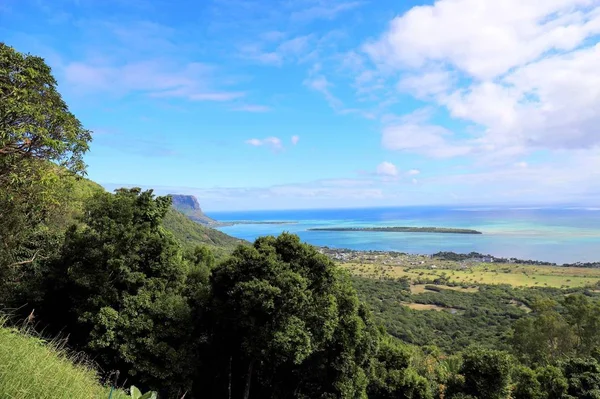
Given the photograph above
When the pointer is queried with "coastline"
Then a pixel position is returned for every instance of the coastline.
(402, 229)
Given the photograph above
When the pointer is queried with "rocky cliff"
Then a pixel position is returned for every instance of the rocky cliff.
(189, 206)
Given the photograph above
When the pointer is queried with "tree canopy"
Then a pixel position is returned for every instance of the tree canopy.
(35, 122)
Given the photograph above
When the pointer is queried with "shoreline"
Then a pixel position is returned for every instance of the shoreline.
(401, 229)
(346, 254)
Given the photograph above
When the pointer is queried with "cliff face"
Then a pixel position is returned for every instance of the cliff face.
(189, 206)
(185, 202)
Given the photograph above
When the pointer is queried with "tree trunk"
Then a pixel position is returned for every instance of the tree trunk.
(248, 380)
(229, 386)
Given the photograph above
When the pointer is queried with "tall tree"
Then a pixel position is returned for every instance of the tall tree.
(544, 337)
(286, 323)
(37, 131)
(35, 122)
(118, 289)
(391, 374)
(487, 373)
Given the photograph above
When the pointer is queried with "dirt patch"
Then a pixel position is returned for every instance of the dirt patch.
(422, 306)
(520, 305)
(421, 288)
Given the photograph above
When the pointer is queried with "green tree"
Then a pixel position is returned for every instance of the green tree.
(544, 337)
(391, 374)
(584, 317)
(286, 323)
(552, 382)
(35, 122)
(487, 373)
(37, 131)
(526, 384)
(118, 287)
(583, 377)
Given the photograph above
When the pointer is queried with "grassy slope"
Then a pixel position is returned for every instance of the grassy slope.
(31, 368)
(190, 233)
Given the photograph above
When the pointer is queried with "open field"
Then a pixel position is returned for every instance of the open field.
(483, 273)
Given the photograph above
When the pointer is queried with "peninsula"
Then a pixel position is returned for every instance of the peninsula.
(400, 229)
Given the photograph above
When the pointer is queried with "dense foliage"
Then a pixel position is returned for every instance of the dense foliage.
(37, 132)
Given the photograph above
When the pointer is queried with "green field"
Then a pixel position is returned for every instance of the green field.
(484, 273)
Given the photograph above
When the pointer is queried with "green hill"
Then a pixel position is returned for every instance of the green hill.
(32, 368)
(184, 227)
(190, 233)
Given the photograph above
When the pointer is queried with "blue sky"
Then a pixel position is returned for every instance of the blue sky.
(264, 104)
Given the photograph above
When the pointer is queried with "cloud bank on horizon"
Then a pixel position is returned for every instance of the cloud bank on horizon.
(319, 103)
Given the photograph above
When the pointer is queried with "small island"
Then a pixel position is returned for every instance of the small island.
(234, 222)
(446, 230)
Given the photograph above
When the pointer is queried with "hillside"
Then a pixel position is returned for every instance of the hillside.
(189, 206)
(185, 229)
(32, 368)
(189, 233)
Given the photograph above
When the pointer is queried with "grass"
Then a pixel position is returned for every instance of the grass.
(485, 273)
(31, 368)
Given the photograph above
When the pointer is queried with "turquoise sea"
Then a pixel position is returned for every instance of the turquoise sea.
(564, 235)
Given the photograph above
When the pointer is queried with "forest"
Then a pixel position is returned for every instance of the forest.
(186, 311)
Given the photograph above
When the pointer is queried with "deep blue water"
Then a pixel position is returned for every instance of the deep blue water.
(555, 235)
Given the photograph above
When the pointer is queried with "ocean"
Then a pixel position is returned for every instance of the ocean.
(565, 235)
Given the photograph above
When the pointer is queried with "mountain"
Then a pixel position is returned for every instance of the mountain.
(190, 234)
(189, 206)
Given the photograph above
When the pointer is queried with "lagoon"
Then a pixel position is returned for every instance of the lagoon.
(560, 235)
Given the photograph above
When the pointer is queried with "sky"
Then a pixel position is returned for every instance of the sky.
(285, 104)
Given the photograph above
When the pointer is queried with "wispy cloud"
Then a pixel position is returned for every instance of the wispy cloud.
(277, 52)
(295, 140)
(253, 108)
(274, 143)
(142, 58)
(387, 169)
(324, 10)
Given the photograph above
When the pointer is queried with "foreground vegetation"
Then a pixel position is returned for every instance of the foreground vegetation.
(33, 368)
(142, 293)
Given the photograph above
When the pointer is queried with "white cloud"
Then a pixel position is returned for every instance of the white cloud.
(274, 143)
(320, 84)
(521, 75)
(387, 169)
(485, 38)
(423, 139)
(413, 172)
(425, 84)
(295, 140)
